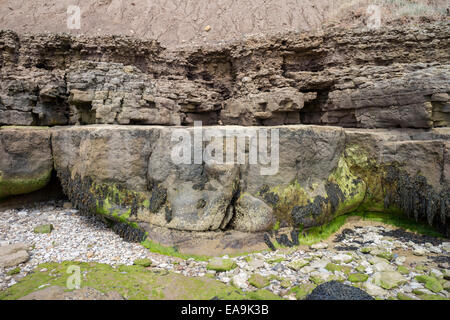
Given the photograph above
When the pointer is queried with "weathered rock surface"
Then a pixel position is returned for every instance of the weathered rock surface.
(25, 160)
(13, 254)
(323, 172)
(387, 78)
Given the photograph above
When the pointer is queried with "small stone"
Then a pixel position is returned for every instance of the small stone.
(258, 281)
(44, 228)
(385, 255)
(256, 263)
(240, 280)
(388, 279)
(342, 258)
(221, 264)
(143, 262)
(366, 249)
(431, 283)
(14, 271)
(361, 268)
(436, 273)
(419, 252)
(320, 245)
(276, 259)
(400, 260)
(383, 266)
(374, 290)
(67, 205)
(357, 277)
(335, 267)
(404, 296)
(318, 278)
(207, 28)
(403, 270)
(297, 264)
(302, 290)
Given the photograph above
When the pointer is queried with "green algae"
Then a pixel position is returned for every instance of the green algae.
(16, 186)
(302, 290)
(170, 251)
(132, 282)
(431, 283)
(358, 277)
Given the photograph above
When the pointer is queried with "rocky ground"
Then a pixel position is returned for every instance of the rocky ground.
(384, 261)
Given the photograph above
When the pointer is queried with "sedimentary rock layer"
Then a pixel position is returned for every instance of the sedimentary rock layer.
(128, 174)
(387, 78)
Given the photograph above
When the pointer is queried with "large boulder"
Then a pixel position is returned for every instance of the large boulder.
(130, 174)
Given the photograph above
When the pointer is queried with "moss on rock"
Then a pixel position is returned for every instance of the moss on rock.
(15, 185)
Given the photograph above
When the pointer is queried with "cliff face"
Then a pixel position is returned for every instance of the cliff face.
(362, 119)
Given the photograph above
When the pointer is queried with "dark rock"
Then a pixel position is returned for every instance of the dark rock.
(334, 290)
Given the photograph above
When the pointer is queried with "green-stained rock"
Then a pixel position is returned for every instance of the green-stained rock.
(275, 260)
(403, 270)
(403, 296)
(302, 290)
(335, 267)
(366, 249)
(21, 185)
(13, 271)
(388, 279)
(361, 268)
(220, 264)
(285, 283)
(316, 279)
(357, 277)
(143, 262)
(297, 264)
(385, 255)
(44, 228)
(258, 281)
(431, 283)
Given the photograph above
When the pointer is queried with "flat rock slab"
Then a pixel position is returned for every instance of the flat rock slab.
(58, 293)
(334, 290)
(13, 254)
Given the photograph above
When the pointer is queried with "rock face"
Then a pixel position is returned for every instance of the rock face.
(386, 78)
(335, 290)
(323, 172)
(347, 121)
(25, 160)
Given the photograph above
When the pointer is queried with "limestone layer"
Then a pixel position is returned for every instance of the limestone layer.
(387, 78)
(127, 174)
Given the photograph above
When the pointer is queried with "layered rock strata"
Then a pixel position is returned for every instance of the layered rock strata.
(362, 120)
